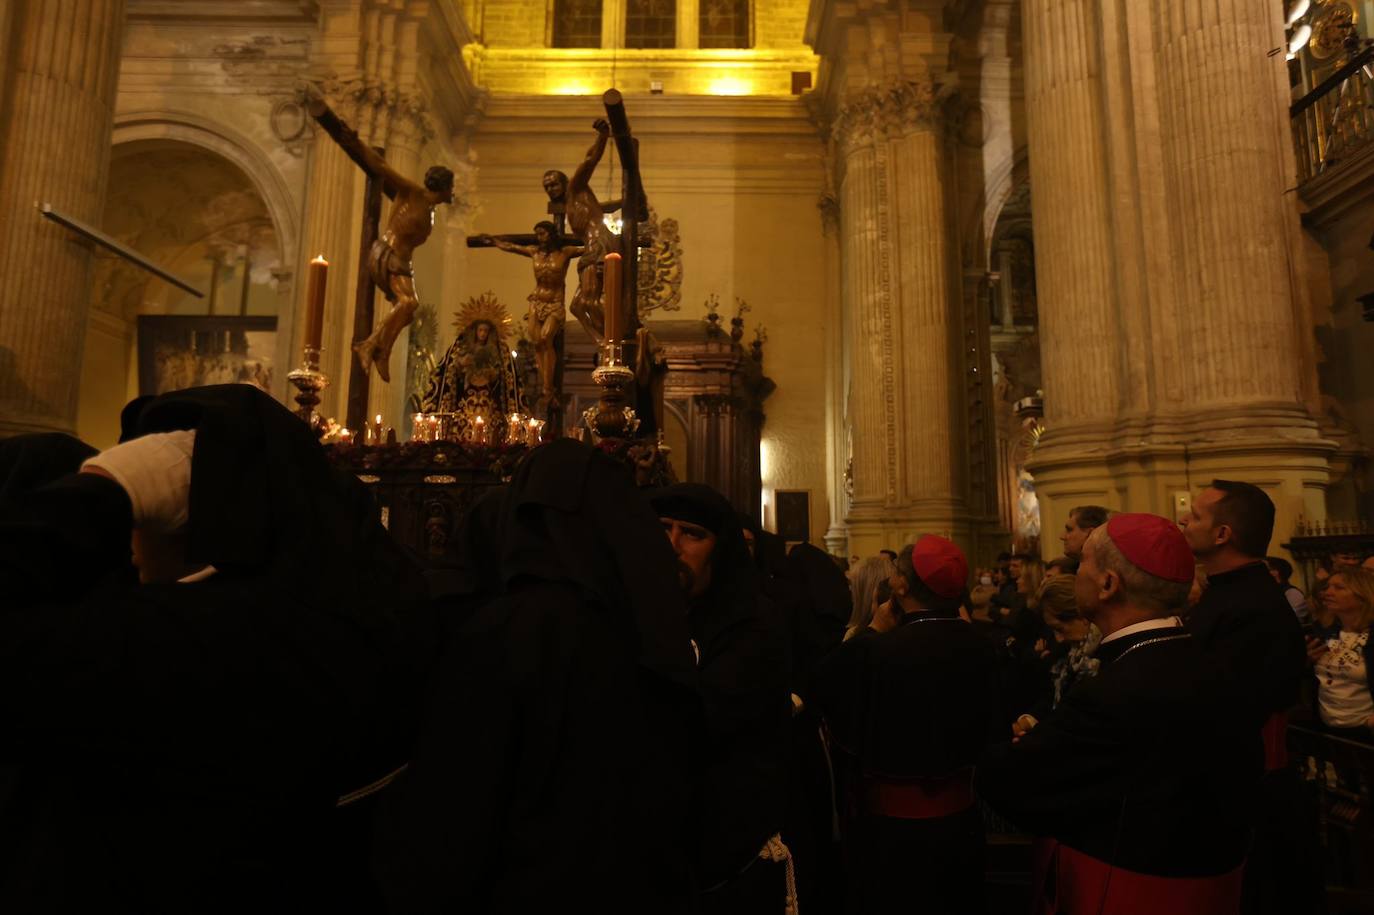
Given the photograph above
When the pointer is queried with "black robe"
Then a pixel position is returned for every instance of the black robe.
(916, 702)
(1145, 766)
(740, 791)
(181, 747)
(554, 767)
(1247, 625)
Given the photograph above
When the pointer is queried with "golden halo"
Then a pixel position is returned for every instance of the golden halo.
(486, 308)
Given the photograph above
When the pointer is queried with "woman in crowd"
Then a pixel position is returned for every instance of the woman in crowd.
(1060, 613)
(865, 582)
(1344, 664)
(206, 738)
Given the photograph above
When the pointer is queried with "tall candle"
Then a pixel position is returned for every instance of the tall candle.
(611, 296)
(314, 301)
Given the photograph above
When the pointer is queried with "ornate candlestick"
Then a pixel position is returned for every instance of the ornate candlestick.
(308, 379)
(309, 382)
(612, 417)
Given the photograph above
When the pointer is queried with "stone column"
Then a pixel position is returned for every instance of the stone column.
(332, 193)
(1170, 340)
(905, 405)
(56, 149)
(1071, 216)
(837, 381)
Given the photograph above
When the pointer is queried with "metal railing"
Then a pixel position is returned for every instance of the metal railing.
(1336, 119)
(1339, 777)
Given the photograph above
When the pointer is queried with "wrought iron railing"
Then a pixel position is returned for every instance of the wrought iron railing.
(1336, 119)
(1338, 777)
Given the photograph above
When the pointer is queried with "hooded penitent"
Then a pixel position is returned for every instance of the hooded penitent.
(741, 790)
(184, 744)
(563, 710)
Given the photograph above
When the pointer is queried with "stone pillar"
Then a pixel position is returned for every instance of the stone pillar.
(837, 381)
(1170, 341)
(56, 149)
(332, 194)
(905, 405)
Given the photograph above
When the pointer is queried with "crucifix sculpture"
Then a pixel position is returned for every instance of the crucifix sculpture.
(550, 255)
(388, 258)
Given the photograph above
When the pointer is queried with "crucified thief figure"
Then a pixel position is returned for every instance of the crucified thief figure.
(545, 318)
(389, 262)
(586, 220)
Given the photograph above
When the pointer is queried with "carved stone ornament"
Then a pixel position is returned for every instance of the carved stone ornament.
(660, 266)
(393, 115)
(890, 110)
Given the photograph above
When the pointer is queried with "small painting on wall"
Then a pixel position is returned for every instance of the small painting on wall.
(793, 514)
(189, 351)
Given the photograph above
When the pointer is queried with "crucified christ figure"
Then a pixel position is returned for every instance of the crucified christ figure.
(586, 219)
(545, 319)
(389, 262)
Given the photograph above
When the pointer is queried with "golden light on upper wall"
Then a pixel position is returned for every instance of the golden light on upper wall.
(571, 87)
(730, 85)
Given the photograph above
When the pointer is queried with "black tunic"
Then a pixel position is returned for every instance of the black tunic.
(552, 775)
(1145, 766)
(916, 702)
(1246, 624)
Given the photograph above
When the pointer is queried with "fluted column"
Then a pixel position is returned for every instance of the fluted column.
(1223, 183)
(1071, 217)
(56, 149)
(1171, 342)
(332, 193)
(905, 420)
(837, 379)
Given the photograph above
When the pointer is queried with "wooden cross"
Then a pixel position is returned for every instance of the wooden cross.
(359, 378)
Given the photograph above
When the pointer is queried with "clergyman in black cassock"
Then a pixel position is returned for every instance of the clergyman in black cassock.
(1138, 783)
(185, 744)
(1244, 623)
(740, 785)
(912, 709)
(554, 766)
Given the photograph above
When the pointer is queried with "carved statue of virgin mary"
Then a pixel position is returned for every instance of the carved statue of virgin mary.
(479, 375)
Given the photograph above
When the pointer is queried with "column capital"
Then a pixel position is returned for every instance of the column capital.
(891, 109)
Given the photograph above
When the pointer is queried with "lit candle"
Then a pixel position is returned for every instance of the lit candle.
(345, 437)
(611, 297)
(314, 301)
(479, 430)
(536, 427)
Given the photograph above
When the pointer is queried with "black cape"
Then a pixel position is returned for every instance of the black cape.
(184, 745)
(554, 765)
(741, 786)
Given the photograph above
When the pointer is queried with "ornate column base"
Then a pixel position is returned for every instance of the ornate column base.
(837, 541)
(1158, 465)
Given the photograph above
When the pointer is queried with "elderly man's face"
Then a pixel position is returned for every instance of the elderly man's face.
(693, 545)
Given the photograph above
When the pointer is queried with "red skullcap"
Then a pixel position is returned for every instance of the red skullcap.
(1153, 545)
(941, 565)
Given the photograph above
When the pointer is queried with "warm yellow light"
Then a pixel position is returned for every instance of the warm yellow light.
(570, 87)
(730, 85)
(613, 222)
